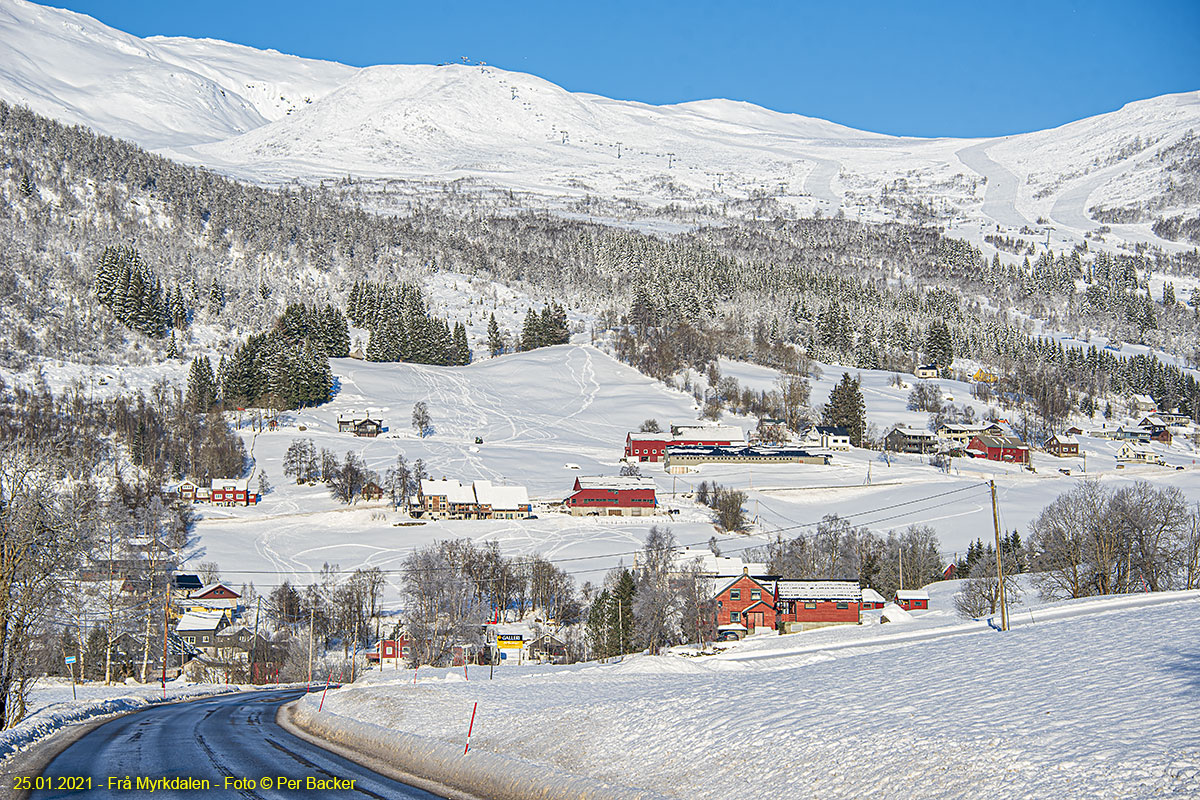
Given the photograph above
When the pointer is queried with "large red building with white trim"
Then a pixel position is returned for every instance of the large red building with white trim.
(653, 446)
(624, 496)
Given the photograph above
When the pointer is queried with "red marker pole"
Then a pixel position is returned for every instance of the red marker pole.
(465, 678)
(417, 667)
(322, 703)
(470, 728)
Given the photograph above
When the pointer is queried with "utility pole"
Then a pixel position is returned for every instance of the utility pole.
(312, 615)
(166, 627)
(254, 638)
(901, 552)
(999, 560)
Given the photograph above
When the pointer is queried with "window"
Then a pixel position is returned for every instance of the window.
(734, 616)
(843, 606)
(756, 594)
(405, 650)
(190, 639)
(735, 594)
(810, 606)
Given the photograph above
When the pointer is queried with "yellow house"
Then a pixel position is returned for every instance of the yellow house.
(983, 376)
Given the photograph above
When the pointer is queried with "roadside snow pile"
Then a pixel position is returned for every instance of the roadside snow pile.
(1095, 698)
(109, 700)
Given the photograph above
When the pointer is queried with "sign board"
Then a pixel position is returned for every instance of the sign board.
(69, 660)
(510, 644)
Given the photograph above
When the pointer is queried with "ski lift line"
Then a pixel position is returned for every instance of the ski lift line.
(573, 559)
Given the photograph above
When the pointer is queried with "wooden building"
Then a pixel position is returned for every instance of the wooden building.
(805, 605)
(1062, 445)
(627, 496)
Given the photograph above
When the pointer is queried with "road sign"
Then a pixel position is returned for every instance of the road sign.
(69, 660)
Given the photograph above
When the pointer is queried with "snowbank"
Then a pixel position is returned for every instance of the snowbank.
(481, 774)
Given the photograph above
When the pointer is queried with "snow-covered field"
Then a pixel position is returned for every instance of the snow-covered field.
(543, 412)
(1083, 699)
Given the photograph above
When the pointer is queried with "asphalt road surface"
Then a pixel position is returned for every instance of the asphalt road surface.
(231, 741)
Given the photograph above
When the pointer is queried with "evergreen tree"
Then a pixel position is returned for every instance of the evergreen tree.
(495, 337)
(462, 349)
(201, 386)
(938, 347)
(530, 332)
(846, 408)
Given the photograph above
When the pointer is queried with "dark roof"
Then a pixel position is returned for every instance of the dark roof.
(833, 430)
(185, 581)
(741, 451)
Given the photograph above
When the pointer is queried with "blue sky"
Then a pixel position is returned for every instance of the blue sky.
(966, 68)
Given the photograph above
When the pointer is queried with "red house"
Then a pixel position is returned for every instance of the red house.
(872, 600)
(388, 652)
(999, 448)
(232, 492)
(624, 496)
(745, 602)
(912, 600)
(804, 605)
(653, 446)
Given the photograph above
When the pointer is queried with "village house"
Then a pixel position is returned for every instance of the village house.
(1142, 404)
(926, 371)
(1157, 427)
(829, 437)
(902, 439)
(450, 499)
(999, 448)
(360, 425)
(1134, 453)
(1175, 419)
(962, 434)
(912, 599)
(1062, 445)
(983, 376)
(1133, 433)
(745, 604)
(740, 454)
(199, 629)
(770, 429)
(214, 597)
(389, 653)
(232, 492)
(806, 605)
(653, 446)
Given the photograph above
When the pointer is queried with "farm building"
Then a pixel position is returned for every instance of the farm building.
(912, 599)
(653, 446)
(360, 425)
(999, 448)
(805, 605)
(745, 601)
(740, 454)
(624, 496)
(903, 439)
(1062, 445)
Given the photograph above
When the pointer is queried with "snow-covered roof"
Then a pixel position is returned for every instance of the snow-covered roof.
(1153, 420)
(203, 590)
(710, 432)
(717, 566)
(452, 490)
(641, 436)
(200, 621)
(957, 427)
(500, 498)
(733, 626)
(1142, 399)
(1064, 438)
(912, 594)
(869, 595)
(1139, 449)
(918, 433)
(236, 484)
(615, 482)
(996, 440)
(820, 590)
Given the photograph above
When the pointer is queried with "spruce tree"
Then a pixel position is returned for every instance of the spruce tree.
(495, 337)
(846, 408)
(462, 348)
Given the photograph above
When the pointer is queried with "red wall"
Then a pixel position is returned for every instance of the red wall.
(825, 611)
(745, 585)
(621, 498)
(911, 605)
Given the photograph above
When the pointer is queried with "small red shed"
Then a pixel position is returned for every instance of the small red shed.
(912, 599)
(872, 600)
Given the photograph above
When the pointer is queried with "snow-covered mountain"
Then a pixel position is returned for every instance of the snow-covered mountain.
(269, 117)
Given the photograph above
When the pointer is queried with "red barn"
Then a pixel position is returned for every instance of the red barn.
(912, 600)
(653, 446)
(999, 448)
(745, 601)
(804, 605)
(624, 496)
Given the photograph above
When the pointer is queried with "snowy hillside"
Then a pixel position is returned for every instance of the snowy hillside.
(1081, 699)
(556, 413)
(272, 118)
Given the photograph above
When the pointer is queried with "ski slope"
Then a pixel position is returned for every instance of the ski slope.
(1084, 699)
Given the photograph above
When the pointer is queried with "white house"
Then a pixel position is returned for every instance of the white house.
(1133, 453)
(829, 437)
(1142, 404)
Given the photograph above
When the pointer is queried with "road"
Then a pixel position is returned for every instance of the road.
(225, 737)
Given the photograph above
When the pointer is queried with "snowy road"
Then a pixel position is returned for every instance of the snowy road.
(227, 737)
